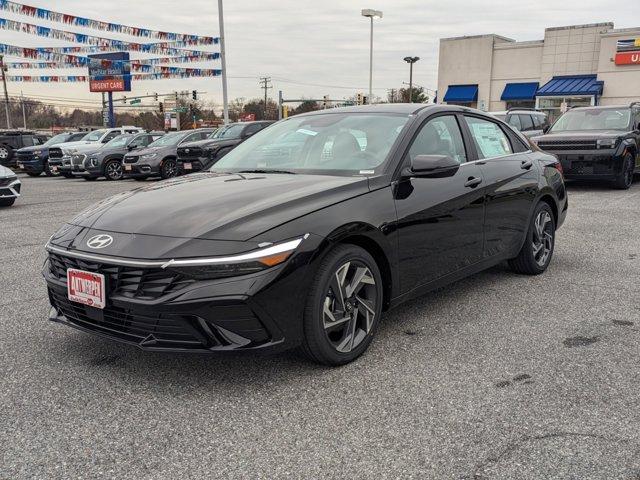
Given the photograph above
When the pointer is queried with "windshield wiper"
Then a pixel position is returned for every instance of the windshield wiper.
(267, 171)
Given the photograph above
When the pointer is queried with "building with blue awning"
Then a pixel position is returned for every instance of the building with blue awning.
(578, 65)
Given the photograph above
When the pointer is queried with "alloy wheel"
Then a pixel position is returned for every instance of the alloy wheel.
(114, 171)
(628, 174)
(348, 310)
(169, 169)
(542, 238)
(4, 153)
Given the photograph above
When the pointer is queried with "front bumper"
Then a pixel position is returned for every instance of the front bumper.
(190, 165)
(30, 165)
(590, 164)
(260, 312)
(131, 170)
(10, 187)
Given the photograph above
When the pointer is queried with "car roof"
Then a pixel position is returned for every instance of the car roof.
(603, 107)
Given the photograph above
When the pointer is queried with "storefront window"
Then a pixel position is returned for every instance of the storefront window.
(553, 105)
(514, 104)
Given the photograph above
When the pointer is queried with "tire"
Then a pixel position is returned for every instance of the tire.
(66, 174)
(6, 154)
(168, 169)
(34, 174)
(329, 323)
(47, 170)
(7, 202)
(90, 179)
(113, 170)
(625, 179)
(537, 251)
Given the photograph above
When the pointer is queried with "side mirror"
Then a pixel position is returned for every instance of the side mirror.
(433, 166)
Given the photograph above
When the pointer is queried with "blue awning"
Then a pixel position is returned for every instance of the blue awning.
(571, 85)
(519, 91)
(461, 93)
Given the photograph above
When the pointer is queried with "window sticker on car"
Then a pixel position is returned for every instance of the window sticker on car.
(307, 132)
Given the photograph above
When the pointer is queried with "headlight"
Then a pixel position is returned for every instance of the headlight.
(148, 156)
(232, 266)
(607, 143)
(37, 153)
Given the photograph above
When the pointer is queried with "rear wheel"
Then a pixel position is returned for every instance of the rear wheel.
(7, 202)
(168, 169)
(6, 153)
(625, 179)
(113, 170)
(535, 255)
(343, 307)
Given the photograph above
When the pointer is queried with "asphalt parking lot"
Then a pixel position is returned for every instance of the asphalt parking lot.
(498, 376)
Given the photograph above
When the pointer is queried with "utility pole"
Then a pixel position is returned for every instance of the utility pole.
(393, 95)
(6, 94)
(24, 115)
(265, 83)
(223, 65)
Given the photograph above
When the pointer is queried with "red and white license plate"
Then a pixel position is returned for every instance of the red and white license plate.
(54, 168)
(86, 287)
(187, 166)
(21, 166)
(127, 168)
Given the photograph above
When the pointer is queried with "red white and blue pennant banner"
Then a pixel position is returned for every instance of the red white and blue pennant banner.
(52, 16)
(86, 78)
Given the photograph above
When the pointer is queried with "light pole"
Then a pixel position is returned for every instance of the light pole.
(411, 61)
(367, 12)
(223, 66)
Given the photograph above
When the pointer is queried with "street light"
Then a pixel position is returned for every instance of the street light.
(223, 65)
(411, 61)
(367, 12)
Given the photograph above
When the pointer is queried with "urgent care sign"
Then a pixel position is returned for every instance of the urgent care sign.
(628, 52)
(115, 85)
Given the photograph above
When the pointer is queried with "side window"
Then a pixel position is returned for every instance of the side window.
(527, 123)
(440, 136)
(489, 138)
(194, 137)
(110, 136)
(253, 128)
(29, 141)
(514, 121)
(140, 141)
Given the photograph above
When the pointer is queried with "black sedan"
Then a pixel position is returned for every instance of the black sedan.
(307, 248)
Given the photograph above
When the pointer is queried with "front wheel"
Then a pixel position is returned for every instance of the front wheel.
(168, 169)
(343, 307)
(113, 170)
(625, 179)
(535, 255)
(47, 170)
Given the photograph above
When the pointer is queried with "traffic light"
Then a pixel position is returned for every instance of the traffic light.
(359, 99)
(325, 101)
(124, 99)
(161, 105)
(155, 97)
(365, 100)
(194, 94)
(285, 111)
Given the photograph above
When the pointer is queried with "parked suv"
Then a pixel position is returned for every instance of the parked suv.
(159, 158)
(195, 156)
(60, 156)
(9, 187)
(35, 160)
(106, 160)
(529, 122)
(601, 143)
(11, 140)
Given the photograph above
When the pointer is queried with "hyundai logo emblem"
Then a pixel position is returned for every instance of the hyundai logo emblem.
(100, 241)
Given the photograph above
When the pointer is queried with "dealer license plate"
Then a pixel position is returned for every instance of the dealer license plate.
(86, 287)
(127, 168)
(187, 166)
(21, 166)
(54, 168)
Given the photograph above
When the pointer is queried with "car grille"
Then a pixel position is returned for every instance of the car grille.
(190, 152)
(78, 159)
(568, 145)
(130, 159)
(130, 282)
(55, 152)
(24, 156)
(159, 330)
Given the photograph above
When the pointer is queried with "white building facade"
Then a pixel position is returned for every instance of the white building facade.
(577, 65)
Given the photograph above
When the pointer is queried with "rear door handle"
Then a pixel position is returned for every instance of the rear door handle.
(473, 182)
(526, 164)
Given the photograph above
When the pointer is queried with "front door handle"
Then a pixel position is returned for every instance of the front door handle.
(526, 164)
(473, 182)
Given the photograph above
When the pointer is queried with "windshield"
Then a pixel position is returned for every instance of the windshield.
(169, 139)
(337, 143)
(60, 138)
(593, 119)
(95, 136)
(119, 141)
(232, 131)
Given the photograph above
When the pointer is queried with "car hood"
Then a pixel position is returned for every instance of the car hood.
(74, 145)
(148, 150)
(31, 149)
(219, 206)
(209, 142)
(6, 172)
(580, 134)
(88, 148)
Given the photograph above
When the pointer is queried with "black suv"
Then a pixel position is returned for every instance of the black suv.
(597, 143)
(11, 140)
(529, 122)
(195, 156)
